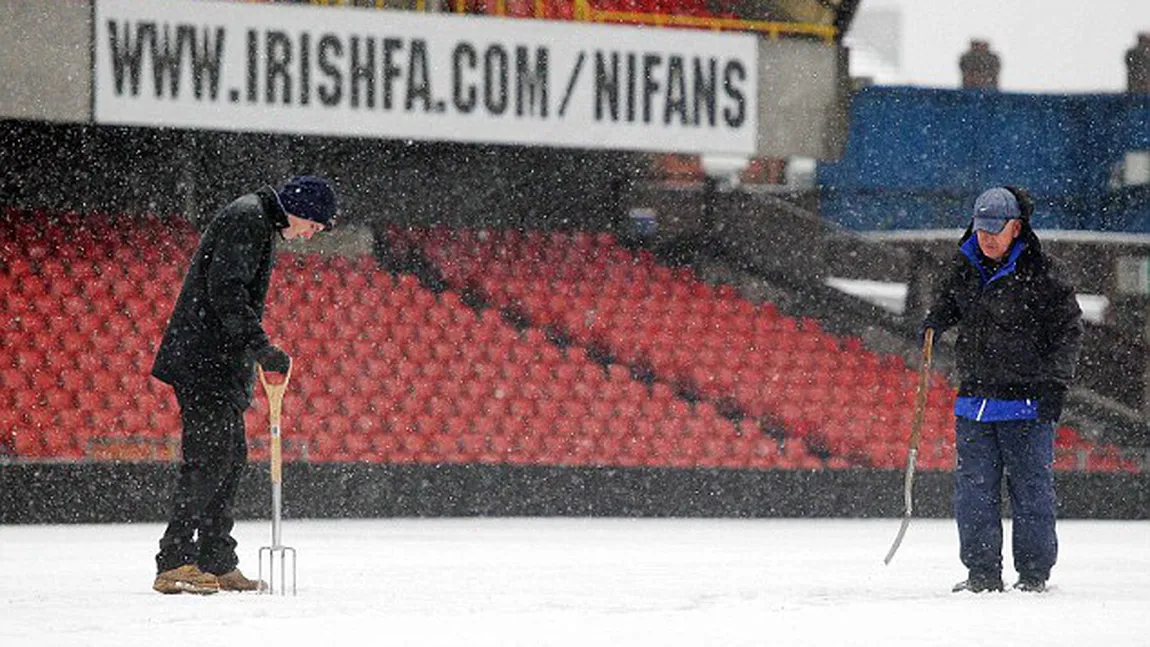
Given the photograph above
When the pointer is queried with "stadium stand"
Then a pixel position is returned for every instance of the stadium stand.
(577, 352)
(793, 18)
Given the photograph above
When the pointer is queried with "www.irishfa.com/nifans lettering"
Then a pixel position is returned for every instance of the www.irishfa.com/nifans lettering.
(394, 73)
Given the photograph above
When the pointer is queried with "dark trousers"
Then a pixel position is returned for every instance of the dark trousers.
(1025, 451)
(214, 454)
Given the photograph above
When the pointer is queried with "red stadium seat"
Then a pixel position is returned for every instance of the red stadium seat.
(391, 371)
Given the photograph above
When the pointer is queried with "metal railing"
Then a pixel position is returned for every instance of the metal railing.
(582, 11)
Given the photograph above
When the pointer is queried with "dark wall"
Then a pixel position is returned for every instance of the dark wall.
(1113, 363)
(133, 170)
(138, 492)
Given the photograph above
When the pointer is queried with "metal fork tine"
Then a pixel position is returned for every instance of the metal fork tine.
(278, 556)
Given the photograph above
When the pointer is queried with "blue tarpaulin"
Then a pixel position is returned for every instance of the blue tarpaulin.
(916, 158)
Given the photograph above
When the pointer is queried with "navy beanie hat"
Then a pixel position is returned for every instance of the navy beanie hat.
(311, 198)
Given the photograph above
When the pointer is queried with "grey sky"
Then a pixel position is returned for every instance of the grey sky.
(1045, 45)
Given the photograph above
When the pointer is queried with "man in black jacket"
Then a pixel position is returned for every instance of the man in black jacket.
(1019, 333)
(208, 354)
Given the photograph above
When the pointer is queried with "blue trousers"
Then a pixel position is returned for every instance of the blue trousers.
(1023, 450)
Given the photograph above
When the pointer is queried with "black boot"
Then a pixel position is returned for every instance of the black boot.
(979, 582)
(1030, 584)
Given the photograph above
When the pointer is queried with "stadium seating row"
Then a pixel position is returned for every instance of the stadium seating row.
(391, 371)
(566, 9)
(832, 393)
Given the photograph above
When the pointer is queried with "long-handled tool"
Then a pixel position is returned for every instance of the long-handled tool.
(915, 436)
(277, 553)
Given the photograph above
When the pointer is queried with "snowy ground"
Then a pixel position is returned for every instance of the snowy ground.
(577, 582)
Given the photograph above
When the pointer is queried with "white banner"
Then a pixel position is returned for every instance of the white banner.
(406, 75)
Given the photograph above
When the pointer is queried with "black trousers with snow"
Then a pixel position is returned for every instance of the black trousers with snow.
(215, 452)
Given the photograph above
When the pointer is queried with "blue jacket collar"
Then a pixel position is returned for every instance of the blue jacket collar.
(970, 250)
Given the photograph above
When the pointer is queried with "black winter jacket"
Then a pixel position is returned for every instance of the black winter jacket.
(1019, 325)
(216, 325)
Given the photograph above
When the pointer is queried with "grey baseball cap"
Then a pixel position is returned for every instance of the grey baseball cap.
(993, 209)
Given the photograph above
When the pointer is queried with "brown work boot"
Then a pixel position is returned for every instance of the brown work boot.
(234, 580)
(186, 579)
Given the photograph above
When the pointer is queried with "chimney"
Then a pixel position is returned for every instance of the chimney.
(979, 67)
(1138, 66)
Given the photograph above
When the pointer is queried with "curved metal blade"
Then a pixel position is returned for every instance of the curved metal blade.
(897, 540)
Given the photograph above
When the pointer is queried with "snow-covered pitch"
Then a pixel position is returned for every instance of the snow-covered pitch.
(577, 581)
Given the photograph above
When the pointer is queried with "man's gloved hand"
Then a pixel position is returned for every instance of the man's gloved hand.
(273, 359)
(1050, 401)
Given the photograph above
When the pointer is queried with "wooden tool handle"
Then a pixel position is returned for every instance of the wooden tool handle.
(275, 393)
(923, 387)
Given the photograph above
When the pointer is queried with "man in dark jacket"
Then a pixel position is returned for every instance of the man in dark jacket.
(1019, 333)
(208, 354)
